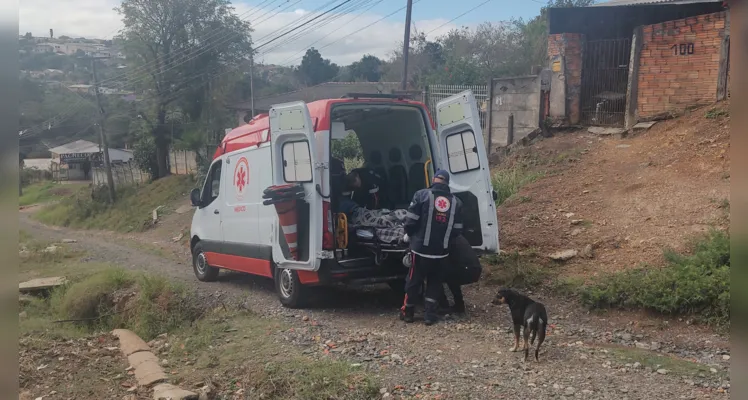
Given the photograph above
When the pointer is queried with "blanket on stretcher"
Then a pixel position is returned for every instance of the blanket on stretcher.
(389, 224)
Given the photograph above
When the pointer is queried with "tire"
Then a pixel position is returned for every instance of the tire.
(203, 271)
(291, 292)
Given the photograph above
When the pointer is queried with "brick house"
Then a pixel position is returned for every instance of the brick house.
(623, 61)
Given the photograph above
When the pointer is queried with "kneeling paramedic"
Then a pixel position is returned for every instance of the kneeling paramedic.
(433, 220)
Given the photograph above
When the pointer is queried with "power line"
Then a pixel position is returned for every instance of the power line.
(458, 17)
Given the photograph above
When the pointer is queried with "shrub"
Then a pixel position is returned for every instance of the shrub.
(145, 155)
(696, 284)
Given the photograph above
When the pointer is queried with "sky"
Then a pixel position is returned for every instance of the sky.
(343, 41)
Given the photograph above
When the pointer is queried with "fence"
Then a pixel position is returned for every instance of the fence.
(125, 174)
(433, 94)
(183, 162)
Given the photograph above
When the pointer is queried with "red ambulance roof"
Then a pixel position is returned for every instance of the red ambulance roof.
(253, 133)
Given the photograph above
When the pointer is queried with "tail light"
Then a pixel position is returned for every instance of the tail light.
(328, 240)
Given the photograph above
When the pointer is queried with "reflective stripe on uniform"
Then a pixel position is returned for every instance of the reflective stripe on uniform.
(292, 245)
(430, 300)
(427, 234)
(372, 191)
(458, 226)
(412, 216)
(451, 222)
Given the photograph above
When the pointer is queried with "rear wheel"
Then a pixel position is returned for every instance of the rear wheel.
(203, 271)
(291, 292)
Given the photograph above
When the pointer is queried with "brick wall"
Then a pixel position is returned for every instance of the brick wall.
(567, 48)
(679, 64)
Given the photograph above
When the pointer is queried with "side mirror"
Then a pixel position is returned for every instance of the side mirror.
(495, 195)
(195, 197)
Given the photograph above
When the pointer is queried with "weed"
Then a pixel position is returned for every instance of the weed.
(714, 113)
(513, 270)
(507, 182)
(568, 286)
(696, 284)
(131, 212)
(90, 298)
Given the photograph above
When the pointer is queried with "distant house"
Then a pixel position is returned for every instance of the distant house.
(81, 88)
(76, 155)
(328, 90)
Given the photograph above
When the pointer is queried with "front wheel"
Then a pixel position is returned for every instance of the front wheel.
(203, 271)
(291, 292)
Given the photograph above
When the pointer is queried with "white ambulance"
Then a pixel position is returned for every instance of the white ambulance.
(233, 230)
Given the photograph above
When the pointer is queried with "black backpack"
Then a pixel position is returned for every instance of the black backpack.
(464, 265)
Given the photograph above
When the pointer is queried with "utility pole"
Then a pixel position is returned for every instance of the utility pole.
(102, 135)
(406, 45)
(252, 82)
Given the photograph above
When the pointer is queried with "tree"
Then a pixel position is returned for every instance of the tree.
(314, 70)
(369, 68)
(28, 35)
(182, 45)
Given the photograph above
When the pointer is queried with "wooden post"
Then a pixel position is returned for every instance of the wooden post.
(724, 68)
(489, 117)
(510, 130)
(632, 89)
(102, 134)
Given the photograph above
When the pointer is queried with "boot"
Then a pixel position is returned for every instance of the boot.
(458, 308)
(407, 313)
(431, 317)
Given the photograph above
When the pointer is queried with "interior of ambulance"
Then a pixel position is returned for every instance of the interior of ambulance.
(393, 141)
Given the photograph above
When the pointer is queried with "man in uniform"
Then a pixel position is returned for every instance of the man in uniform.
(433, 220)
(365, 185)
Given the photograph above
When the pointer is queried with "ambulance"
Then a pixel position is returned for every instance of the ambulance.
(233, 228)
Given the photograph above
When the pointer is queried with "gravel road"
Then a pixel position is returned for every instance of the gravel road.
(460, 358)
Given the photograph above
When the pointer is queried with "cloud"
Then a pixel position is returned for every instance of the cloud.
(342, 38)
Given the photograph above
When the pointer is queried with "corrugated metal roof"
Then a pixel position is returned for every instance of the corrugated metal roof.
(86, 147)
(611, 3)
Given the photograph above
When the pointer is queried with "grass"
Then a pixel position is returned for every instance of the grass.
(113, 298)
(507, 182)
(695, 284)
(46, 191)
(247, 352)
(132, 212)
(649, 359)
(514, 270)
(714, 113)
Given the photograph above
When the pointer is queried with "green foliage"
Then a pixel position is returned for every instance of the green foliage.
(145, 155)
(348, 147)
(714, 113)
(695, 284)
(508, 181)
(369, 69)
(314, 69)
(45, 191)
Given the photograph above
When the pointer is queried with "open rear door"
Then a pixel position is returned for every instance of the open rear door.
(463, 154)
(294, 162)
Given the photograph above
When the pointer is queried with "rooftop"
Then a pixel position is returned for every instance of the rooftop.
(611, 3)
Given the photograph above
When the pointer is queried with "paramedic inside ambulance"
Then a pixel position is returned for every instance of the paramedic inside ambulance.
(365, 187)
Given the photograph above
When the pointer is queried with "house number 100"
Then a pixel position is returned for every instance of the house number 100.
(683, 49)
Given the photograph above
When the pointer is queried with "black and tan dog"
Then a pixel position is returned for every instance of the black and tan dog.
(525, 313)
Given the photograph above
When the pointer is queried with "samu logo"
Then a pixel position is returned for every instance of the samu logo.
(241, 177)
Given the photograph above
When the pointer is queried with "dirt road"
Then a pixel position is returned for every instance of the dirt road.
(596, 356)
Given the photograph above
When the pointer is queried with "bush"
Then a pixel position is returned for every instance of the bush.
(696, 284)
(146, 156)
(513, 270)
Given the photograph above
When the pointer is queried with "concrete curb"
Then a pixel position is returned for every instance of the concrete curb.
(147, 370)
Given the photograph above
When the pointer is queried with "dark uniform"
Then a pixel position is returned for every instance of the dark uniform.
(372, 193)
(433, 220)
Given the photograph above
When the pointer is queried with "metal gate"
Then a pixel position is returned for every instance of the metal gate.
(605, 73)
(433, 94)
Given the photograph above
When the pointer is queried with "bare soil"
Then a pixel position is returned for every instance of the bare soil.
(628, 198)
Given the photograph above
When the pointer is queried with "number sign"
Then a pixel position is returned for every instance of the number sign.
(683, 49)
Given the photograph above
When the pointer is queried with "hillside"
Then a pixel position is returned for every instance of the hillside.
(625, 199)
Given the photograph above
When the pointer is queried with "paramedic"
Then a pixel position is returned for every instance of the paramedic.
(433, 220)
(365, 186)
